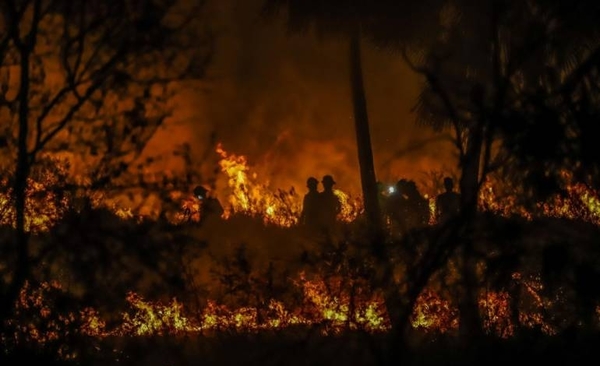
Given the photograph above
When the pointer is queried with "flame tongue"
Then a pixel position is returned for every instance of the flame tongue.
(249, 196)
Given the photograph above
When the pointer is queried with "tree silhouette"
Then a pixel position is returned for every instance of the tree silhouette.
(87, 78)
(533, 63)
(507, 78)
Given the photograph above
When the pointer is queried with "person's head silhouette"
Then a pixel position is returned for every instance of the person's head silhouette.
(312, 183)
(328, 181)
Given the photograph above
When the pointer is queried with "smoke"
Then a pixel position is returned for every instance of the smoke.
(283, 100)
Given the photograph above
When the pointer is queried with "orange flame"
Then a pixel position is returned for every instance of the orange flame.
(337, 310)
(249, 196)
(328, 305)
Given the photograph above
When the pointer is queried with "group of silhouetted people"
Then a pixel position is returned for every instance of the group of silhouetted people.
(320, 209)
(406, 208)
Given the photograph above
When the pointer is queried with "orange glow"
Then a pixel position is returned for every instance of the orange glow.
(248, 195)
(580, 203)
(326, 304)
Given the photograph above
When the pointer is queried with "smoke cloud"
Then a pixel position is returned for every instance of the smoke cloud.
(283, 100)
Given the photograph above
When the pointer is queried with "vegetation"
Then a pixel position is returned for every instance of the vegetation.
(88, 80)
(85, 282)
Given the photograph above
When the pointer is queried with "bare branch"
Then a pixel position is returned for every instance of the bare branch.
(99, 77)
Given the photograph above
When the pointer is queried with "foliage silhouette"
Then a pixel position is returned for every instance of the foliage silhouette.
(90, 78)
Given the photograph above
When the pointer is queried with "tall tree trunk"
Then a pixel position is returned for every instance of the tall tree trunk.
(398, 310)
(470, 320)
(363, 139)
(25, 46)
(19, 190)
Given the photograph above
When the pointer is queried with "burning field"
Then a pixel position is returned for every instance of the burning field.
(254, 270)
(157, 158)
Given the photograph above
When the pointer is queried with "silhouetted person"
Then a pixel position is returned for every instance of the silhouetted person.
(309, 217)
(447, 203)
(418, 206)
(329, 204)
(407, 208)
(397, 208)
(210, 207)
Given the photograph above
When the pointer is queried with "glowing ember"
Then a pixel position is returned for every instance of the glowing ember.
(327, 304)
(581, 203)
(43, 207)
(432, 313)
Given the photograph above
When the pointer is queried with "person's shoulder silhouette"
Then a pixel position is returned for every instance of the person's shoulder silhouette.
(310, 203)
(331, 204)
(447, 202)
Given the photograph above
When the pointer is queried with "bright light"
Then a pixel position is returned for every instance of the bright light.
(391, 189)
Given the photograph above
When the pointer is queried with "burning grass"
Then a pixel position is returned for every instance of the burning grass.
(324, 294)
(254, 271)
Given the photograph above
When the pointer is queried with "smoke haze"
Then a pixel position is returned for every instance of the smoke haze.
(284, 101)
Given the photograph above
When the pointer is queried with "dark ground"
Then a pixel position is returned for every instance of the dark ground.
(307, 347)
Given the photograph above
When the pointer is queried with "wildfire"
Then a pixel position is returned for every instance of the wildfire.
(351, 208)
(326, 305)
(247, 195)
(43, 207)
(581, 203)
(433, 313)
(326, 302)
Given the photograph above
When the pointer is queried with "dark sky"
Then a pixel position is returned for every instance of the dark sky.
(283, 101)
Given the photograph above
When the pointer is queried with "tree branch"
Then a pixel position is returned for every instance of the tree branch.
(98, 76)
